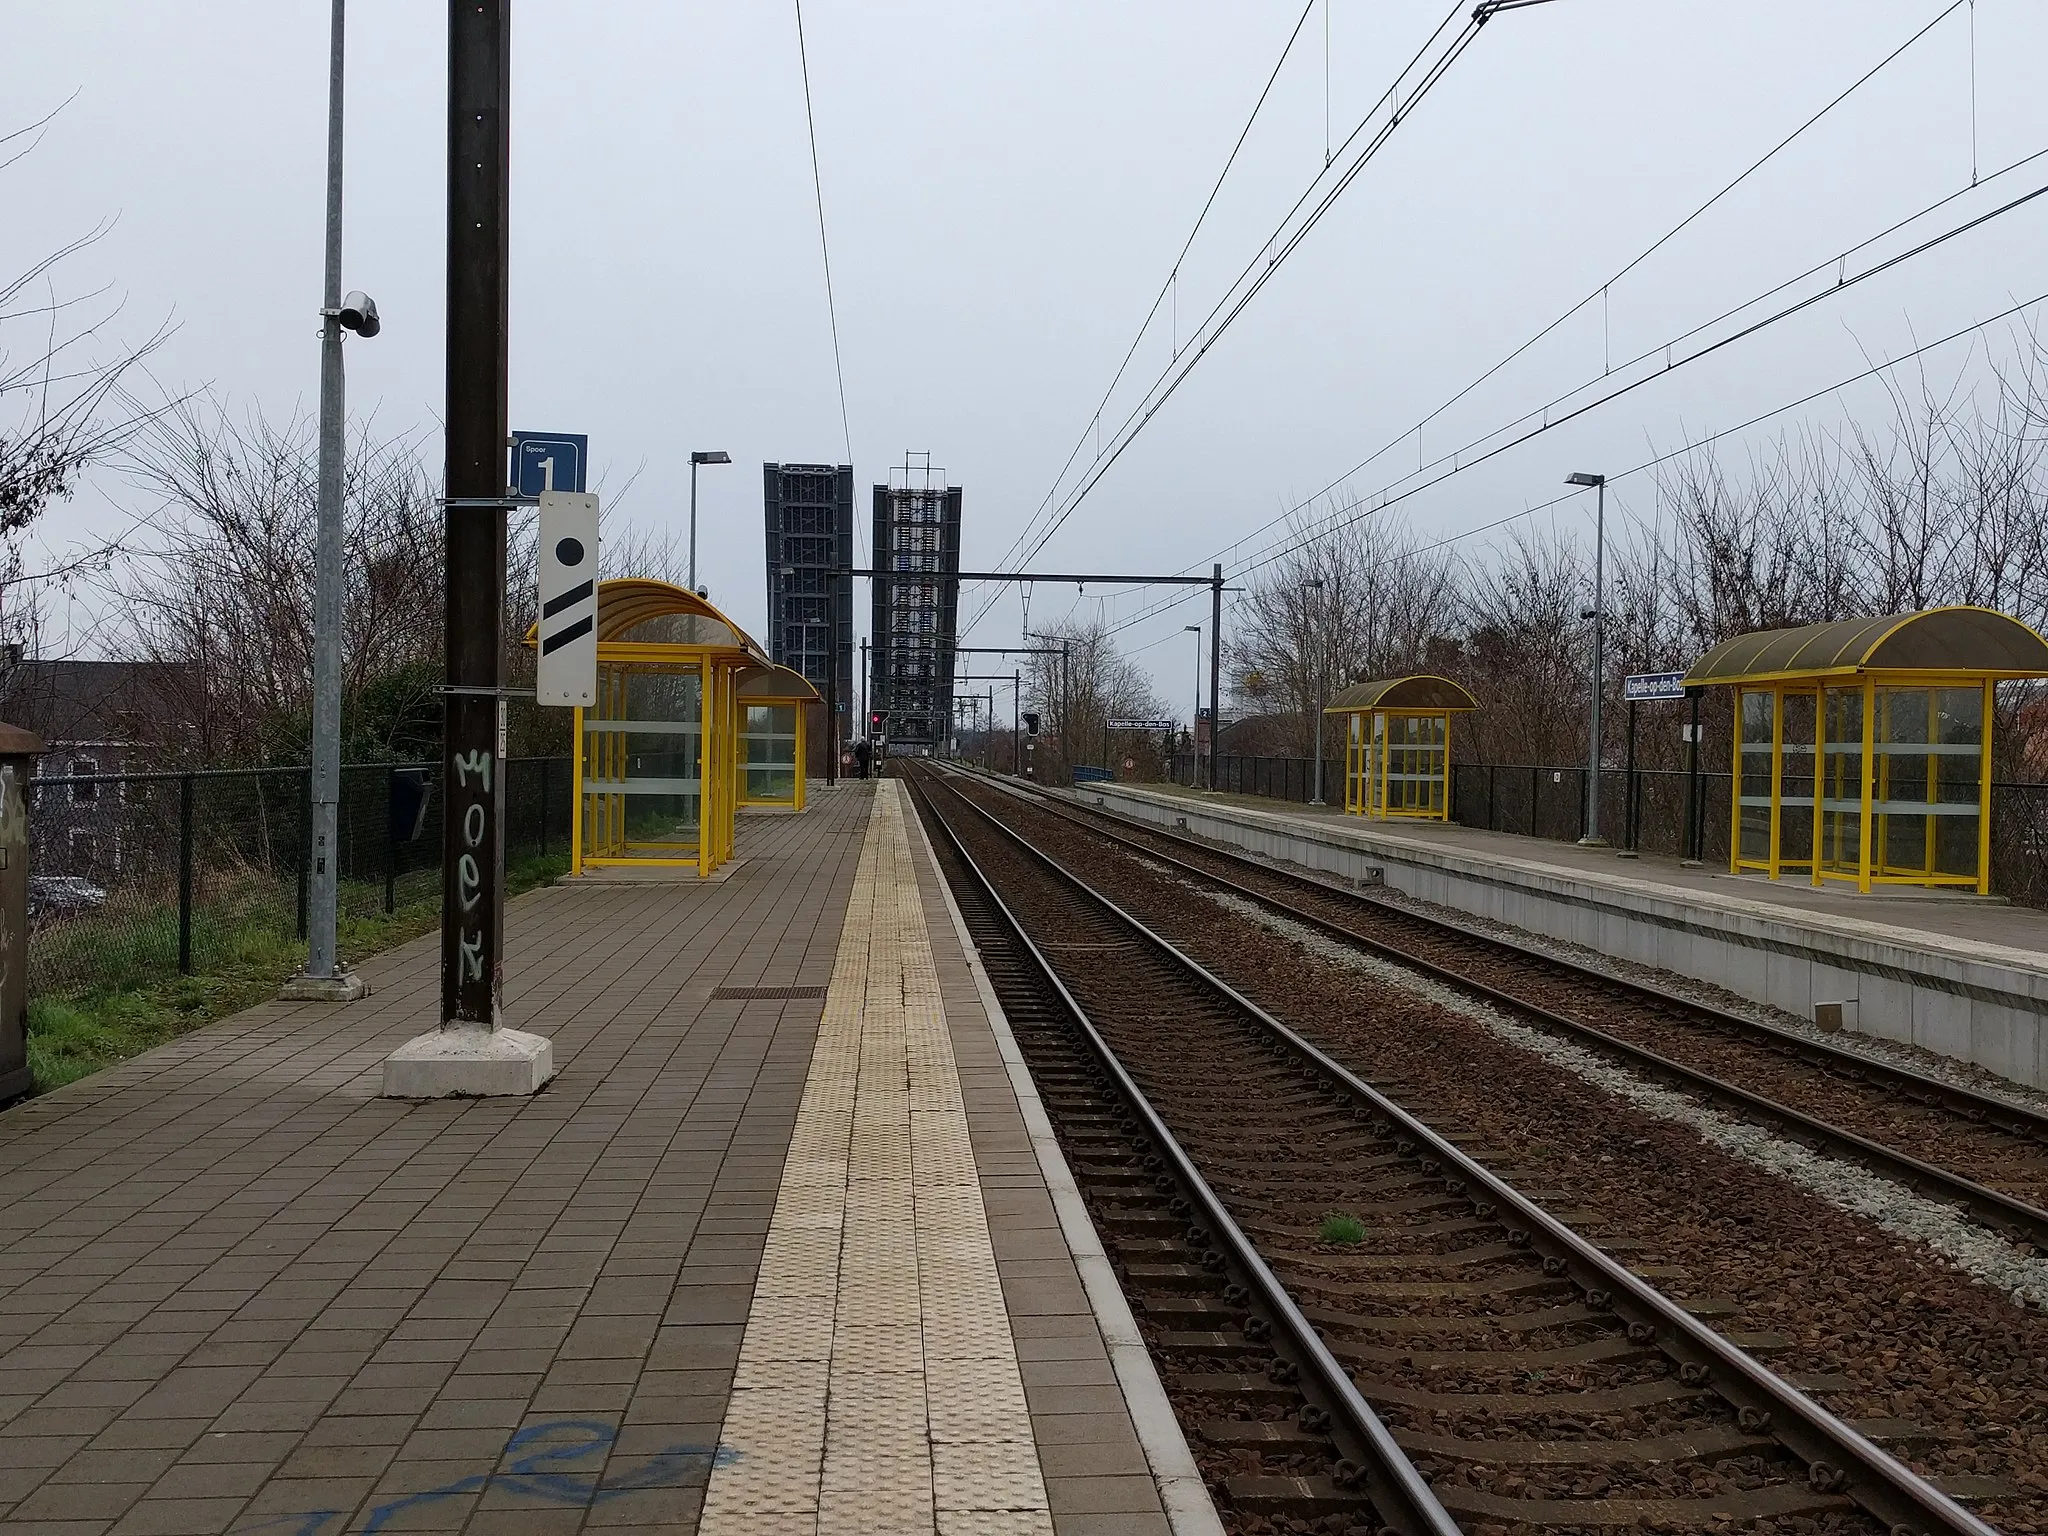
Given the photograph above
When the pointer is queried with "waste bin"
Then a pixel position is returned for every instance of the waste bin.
(18, 752)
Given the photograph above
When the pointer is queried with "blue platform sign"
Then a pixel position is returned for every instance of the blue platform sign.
(538, 456)
(1653, 687)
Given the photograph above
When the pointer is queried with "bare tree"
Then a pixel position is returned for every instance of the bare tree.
(1083, 691)
(62, 406)
(1366, 600)
(222, 599)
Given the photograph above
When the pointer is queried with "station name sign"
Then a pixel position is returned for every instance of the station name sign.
(1144, 725)
(1653, 687)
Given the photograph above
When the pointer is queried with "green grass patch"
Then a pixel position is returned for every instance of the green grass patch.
(140, 1000)
(1340, 1228)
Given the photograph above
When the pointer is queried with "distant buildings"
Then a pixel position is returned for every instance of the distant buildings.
(96, 718)
(916, 621)
(809, 514)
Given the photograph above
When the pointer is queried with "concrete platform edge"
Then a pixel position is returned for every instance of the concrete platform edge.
(1182, 1493)
(1982, 1003)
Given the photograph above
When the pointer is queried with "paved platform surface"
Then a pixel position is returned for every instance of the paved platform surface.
(1918, 915)
(239, 1292)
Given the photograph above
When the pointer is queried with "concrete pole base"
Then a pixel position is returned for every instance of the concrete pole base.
(1593, 842)
(344, 986)
(469, 1062)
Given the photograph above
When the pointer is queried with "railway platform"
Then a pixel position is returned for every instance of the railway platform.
(786, 1246)
(1958, 976)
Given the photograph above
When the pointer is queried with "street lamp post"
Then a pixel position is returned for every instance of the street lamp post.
(1597, 613)
(1315, 584)
(324, 976)
(715, 456)
(1195, 720)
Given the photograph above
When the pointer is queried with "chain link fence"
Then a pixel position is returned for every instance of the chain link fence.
(136, 878)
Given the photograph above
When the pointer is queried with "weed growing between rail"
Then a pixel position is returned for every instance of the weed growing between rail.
(1340, 1228)
(74, 1037)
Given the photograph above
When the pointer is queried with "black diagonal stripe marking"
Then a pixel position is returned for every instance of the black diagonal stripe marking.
(562, 637)
(568, 599)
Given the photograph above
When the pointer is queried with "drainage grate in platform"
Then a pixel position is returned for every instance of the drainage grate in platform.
(764, 994)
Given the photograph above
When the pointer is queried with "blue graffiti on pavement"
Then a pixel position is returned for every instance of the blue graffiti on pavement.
(543, 1461)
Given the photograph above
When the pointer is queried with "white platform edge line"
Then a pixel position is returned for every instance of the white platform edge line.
(1182, 1493)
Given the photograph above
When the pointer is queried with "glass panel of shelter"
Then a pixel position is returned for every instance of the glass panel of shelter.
(643, 749)
(1928, 793)
(1913, 758)
(767, 768)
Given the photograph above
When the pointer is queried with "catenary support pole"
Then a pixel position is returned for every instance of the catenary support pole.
(1591, 836)
(472, 1053)
(1630, 793)
(832, 677)
(1215, 668)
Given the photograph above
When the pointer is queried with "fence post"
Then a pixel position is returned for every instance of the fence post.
(545, 764)
(390, 843)
(185, 875)
(1535, 802)
(1491, 779)
(305, 842)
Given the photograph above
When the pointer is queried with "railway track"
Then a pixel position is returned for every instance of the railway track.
(1459, 1358)
(1984, 1154)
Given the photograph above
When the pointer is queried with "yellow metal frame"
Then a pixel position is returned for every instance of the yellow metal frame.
(1874, 775)
(1368, 766)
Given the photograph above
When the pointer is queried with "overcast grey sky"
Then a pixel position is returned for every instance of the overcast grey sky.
(1006, 186)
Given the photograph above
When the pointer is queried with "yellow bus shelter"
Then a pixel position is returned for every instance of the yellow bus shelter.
(665, 757)
(1863, 747)
(774, 710)
(1397, 745)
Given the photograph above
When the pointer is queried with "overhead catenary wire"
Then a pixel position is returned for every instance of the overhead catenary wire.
(1601, 291)
(1844, 281)
(825, 251)
(1691, 445)
(1167, 286)
(1285, 238)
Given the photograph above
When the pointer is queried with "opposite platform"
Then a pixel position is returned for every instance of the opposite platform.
(239, 1292)
(1958, 977)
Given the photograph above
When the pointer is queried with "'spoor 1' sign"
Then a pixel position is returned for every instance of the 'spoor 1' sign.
(567, 671)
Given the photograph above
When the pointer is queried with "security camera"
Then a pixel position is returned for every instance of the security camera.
(359, 314)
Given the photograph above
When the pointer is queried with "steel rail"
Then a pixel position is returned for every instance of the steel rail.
(1400, 1494)
(1838, 1458)
(1993, 1208)
(1970, 1104)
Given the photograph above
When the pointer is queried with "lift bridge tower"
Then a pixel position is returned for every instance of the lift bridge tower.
(810, 578)
(916, 621)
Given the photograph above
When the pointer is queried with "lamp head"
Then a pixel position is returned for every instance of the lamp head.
(715, 456)
(1580, 477)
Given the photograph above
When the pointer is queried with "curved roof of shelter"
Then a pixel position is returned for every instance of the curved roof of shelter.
(1978, 641)
(773, 682)
(1422, 691)
(640, 609)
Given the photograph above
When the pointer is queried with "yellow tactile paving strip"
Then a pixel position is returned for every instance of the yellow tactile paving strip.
(878, 1387)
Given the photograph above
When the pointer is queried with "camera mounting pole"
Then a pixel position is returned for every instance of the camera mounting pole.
(325, 978)
(472, 1053)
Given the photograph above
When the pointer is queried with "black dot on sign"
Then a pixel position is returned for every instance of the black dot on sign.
(570, 551)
